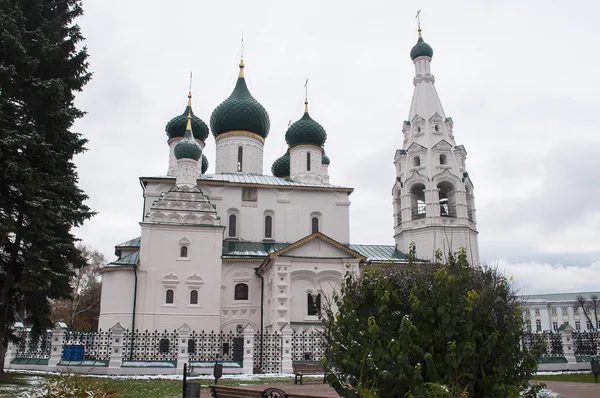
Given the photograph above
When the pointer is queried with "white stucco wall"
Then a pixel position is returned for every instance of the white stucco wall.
(227, 154)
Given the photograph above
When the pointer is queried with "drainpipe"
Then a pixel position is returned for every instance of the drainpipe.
(262, 310)
(135, 281)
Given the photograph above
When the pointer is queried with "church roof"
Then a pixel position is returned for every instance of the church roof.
(127, 261)
(252, 179)
(260, 250)
(130, 244)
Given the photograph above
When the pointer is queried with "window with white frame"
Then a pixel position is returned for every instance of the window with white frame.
(553, 311)
(555, 326)
(169, 296)
(538, 325)
(183, 251)
(241, 291)
(194, 296)
(577, 325)
(314, 303)
(588, 325)
(537, 311)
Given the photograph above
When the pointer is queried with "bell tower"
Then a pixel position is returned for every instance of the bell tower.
(434, 204)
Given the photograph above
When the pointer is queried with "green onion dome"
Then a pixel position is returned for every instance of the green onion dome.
(187, 148)
(305, 131)
(204, 167)
(281, 167)
(421, 49)
(240, 112)
(176, 127)
(325, 159)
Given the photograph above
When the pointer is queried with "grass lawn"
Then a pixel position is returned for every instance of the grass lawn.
(17, 384)
(574, 378)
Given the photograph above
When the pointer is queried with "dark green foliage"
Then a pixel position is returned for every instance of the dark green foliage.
(407, 331)
(42, 64)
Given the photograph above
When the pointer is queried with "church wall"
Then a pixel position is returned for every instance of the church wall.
(227, 155)
(117, 299)
(162, 268)
(234, 312)
(291, 210)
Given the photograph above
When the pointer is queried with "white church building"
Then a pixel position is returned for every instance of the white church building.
(242, 247)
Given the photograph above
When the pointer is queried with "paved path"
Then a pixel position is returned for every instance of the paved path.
(574, 390)
(312, 389)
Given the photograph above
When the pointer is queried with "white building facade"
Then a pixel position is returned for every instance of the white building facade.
(241, 248)
(548, 312)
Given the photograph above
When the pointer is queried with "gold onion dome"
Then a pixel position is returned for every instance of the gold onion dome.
(305, 131)
(240, 112)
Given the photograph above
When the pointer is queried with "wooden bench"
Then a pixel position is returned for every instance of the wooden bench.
(233, 392)
(238, 392)
(301, 368)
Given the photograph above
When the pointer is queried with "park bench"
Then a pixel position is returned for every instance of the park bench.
(238, 392)
(301, 368)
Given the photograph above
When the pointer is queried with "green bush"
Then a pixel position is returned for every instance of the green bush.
(427, 330)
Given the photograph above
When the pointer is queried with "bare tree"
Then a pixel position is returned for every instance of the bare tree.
(588, 305)
(82, 309)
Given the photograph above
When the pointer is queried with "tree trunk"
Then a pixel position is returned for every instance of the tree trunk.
(7, 287)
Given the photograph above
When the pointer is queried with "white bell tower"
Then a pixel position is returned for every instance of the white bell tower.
(434, 204)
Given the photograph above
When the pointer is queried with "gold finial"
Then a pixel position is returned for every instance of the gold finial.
(242, 58)
(306, 96)
(190, 93)
(419, 23)
(189, 120)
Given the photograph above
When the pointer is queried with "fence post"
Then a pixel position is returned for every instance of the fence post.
(568, 346)
(248, 364)
(11, 351)
(183, 356)
(58, 340)
(286, 349)
(116, 348)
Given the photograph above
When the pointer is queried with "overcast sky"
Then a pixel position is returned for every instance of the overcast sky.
(519, 79)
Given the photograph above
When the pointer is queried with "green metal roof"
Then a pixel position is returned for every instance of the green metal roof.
(380, 253)
(373, 253)
(128, 260)
(135, 242)
(232, 249)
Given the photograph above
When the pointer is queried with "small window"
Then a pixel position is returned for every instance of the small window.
(194, 297)
(249, 194)
(232, 226)
(577, 325)
(183, 251)
(417, 161)
(169, 296)
(537, 311)
(240, 159)
(315, 224)
(554, 311)
(538, 325)
(307, 161)
(443, 159)
(268, 227)
(555, 326)
(418, 130)
(588, 324)
(436, 127)
(314, 304)
(241, 291)
(527, 311)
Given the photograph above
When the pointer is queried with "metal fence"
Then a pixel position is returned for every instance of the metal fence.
(33, 347)
(586, 343)
(549, 342)
(150, 346)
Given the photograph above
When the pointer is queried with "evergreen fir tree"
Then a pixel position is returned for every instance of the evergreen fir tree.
(42, 65)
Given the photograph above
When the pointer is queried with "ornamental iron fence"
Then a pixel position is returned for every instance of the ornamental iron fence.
(209, 347)
(586, 343)
(150, 346)
(30, 346)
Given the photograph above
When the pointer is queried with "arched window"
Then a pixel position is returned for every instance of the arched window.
(268, 227)
(194, 297)
(183, 251)
(232, 226)
(240, 159)
(417, 201)
(314, 303)
(241, 291)
(443, 159)
(315, 224)
(307, 161)
(417, 161)
(446, 199)
(169, 296)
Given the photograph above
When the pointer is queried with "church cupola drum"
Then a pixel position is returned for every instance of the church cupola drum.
(434, 203)
(240, 125)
